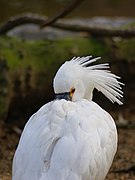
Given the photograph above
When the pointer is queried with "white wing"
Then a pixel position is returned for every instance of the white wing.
(37, 142)
(66, 141)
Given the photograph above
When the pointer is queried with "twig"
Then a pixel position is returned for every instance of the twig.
(63, 13)
(130, 169)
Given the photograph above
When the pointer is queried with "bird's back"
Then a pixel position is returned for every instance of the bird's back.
(66, 141)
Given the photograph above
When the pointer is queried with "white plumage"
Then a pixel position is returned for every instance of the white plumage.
(72, 139)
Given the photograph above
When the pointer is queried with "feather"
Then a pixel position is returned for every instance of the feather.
(71, 140)
(102, 79)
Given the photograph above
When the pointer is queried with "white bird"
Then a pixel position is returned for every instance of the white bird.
(71, 137)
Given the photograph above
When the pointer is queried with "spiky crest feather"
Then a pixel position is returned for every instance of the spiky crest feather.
(102, 79)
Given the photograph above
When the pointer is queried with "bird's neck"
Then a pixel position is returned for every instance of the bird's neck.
(89, 94)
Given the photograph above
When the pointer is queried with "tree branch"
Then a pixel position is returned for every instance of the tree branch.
(72, 5)
(95, 30)
(70, 25)
(28, 18)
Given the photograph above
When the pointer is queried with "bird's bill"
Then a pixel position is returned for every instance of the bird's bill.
(66, 96)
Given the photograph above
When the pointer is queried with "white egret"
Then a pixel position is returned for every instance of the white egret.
(71, 137)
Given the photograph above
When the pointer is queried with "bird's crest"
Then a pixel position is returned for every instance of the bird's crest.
(101, 78)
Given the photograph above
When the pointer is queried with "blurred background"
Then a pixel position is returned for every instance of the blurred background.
(86, 9)
(30, 56)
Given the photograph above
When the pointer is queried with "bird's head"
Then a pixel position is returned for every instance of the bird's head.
(68, 82)
(76, 80)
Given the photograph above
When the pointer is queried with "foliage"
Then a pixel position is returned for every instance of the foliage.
(27, 67)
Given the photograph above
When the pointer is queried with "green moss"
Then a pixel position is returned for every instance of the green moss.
(36, 54)
(39, 60)
(128, 26)
(34, 63)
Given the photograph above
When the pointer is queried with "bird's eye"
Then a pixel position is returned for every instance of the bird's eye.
(72, 90)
